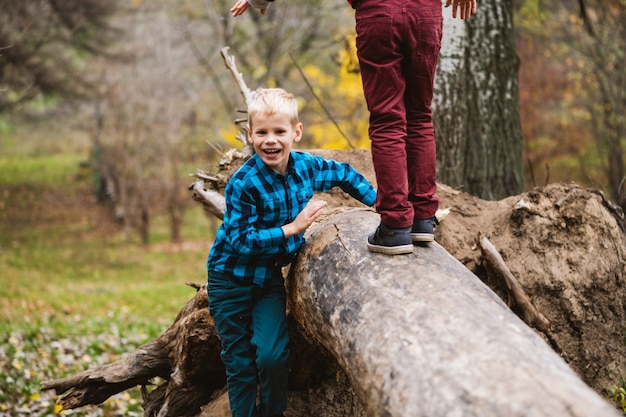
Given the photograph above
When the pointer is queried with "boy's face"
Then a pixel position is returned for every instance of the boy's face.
(272, 137)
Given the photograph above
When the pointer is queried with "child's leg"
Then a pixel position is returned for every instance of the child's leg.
(379, 49)
(424, 40)
(230, 305)
(270, 337)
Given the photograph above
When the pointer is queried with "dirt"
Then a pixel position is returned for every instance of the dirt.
(565, 246)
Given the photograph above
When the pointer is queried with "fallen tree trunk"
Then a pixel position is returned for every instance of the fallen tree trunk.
(420, 335)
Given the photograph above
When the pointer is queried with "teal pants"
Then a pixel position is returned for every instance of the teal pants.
(252, 326)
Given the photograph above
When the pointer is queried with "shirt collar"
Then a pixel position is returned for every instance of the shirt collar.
(268, 172)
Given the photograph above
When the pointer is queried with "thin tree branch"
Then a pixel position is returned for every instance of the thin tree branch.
(530, 314)
(585, 18)
(229, 60)
(332, 119)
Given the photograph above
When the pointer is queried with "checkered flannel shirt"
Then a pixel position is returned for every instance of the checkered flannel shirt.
(250, 243)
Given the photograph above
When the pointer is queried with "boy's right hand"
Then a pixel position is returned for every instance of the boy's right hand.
(305, 218)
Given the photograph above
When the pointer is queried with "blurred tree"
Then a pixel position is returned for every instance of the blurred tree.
(148, 110)
(147, 105)
(43, 43)
(299, 46)
(582, 45)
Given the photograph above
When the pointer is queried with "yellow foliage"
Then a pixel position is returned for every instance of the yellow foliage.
(231, 137)
(341, 95)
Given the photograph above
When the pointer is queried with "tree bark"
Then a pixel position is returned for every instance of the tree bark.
(476, 104)
(420, 335)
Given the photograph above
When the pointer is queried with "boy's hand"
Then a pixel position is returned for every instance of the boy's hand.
(240, 7)
(305, 218)
(466, 7)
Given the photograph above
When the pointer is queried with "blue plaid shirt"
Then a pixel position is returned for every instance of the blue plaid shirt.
(250, 243)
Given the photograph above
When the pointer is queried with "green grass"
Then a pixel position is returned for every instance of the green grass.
(618, 393)
(43, 170)
(75, 289)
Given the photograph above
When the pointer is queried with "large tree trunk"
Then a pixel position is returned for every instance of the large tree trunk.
(417, 335)
(476, 104)
(420, 335)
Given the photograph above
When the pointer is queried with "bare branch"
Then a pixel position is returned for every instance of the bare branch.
(532, 316)
(229, 60)
(585, 18)
(330, 116)
(212, 201)
(230, 64)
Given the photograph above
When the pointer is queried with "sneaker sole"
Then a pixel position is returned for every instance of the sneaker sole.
(390, 250)
(422, 237)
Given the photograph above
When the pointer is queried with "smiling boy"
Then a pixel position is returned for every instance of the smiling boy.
(268, 209)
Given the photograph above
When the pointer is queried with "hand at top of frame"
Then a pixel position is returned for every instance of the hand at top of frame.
(465, 8)
(241, 6)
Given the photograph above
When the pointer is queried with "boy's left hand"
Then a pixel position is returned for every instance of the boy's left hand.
(305, 218)
(240, 7)
(466, 8)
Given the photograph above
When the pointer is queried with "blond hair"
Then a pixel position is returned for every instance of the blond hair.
(271, 101)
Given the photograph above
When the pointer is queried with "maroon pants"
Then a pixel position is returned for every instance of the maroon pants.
(398, 43)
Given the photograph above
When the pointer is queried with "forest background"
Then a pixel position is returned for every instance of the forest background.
(106, 107)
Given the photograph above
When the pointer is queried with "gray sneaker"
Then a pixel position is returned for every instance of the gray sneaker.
(424, 230)
(390, 241)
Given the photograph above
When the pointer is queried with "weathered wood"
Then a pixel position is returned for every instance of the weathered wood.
(520, 299)
(420, 335)
(212, 201)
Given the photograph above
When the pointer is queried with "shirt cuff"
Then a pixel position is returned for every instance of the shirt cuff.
(277, 236)
(259, 4)
(370, 198)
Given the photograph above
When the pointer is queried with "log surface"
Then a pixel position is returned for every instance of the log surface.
(420, 335)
